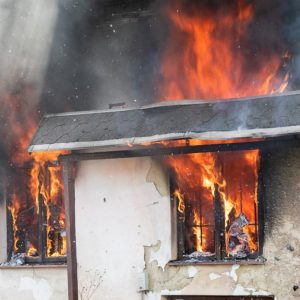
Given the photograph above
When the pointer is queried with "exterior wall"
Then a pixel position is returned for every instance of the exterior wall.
(29, 282)
(118, 213)
(123, 226)
(33, 283)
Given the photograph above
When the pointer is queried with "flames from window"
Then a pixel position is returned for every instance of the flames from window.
(206, 55)
(35, 186)
(206, 58)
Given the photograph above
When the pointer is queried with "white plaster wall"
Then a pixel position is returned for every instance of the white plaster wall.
(118, 213)
(33, 283)
(122, 206)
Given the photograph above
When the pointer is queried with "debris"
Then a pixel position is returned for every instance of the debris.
(16, 260)
(290, 248)
(198, 256)
(238, 242)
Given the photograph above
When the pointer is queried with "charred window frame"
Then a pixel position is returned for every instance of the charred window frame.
(19, 239)
(178, 224)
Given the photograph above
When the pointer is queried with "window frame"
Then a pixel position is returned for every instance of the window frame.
(177, 219)
(42, 258)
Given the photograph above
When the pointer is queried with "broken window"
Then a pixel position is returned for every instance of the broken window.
(217, 205)
(35, 213)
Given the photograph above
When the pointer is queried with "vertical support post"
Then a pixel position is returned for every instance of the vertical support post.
(178, 225)
(10, 229)
(42, 243)
(180, 232)
(201, 221)
(260, 201)
(174, 233)
(219, 225)
(69, 199)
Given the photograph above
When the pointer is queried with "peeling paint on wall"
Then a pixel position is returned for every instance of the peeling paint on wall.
(214, 276)
(171, 277)
(145, 227)
(158, 176)
(232, 273)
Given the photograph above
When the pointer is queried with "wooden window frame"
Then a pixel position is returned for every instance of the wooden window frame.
(178, 227)
(42, 258)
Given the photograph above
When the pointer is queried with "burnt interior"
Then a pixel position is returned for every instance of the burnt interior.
(35, 215)
(218, 202)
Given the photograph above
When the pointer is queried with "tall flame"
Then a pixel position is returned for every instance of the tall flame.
(36, 179)
(204, 59)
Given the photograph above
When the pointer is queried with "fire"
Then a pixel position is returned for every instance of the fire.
(44, 181)
(181, 206)
(205, 59)
(36, 179)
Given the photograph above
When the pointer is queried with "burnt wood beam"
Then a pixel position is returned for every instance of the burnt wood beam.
(42, 235)
(261, 203)
(219, 225)
(161, 151)
(69, 199)
(10, 231)
(180, 232)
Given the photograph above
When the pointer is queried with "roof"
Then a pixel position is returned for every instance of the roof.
(265, 116)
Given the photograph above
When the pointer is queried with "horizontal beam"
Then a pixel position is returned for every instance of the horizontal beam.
(162, 151)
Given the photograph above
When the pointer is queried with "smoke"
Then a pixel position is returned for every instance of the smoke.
(26, 34)
(87, 54)
(105, 54)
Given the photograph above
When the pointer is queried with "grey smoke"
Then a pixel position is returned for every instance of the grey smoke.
(26, 35)
(87, 54)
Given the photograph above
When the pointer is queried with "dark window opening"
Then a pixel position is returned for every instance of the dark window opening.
(35, 214)
(218, 205)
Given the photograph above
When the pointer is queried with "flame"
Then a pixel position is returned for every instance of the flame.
(32, 251)
(181, 205)
(205, 59)
(197, 231)
(36, 178)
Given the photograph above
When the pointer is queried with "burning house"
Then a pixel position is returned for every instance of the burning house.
(189, 194)
(190, 212)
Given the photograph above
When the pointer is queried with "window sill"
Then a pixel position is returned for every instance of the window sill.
(259, 261)
(35, 266)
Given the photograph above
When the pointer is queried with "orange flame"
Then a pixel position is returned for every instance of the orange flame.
(38, 180)
(204, 59)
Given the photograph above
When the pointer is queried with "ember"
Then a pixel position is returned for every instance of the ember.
(204, 60)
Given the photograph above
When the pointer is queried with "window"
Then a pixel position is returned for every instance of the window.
(35, 213)
(218, 212)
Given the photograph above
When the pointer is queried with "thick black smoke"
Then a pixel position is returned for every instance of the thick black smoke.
(106, 52)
